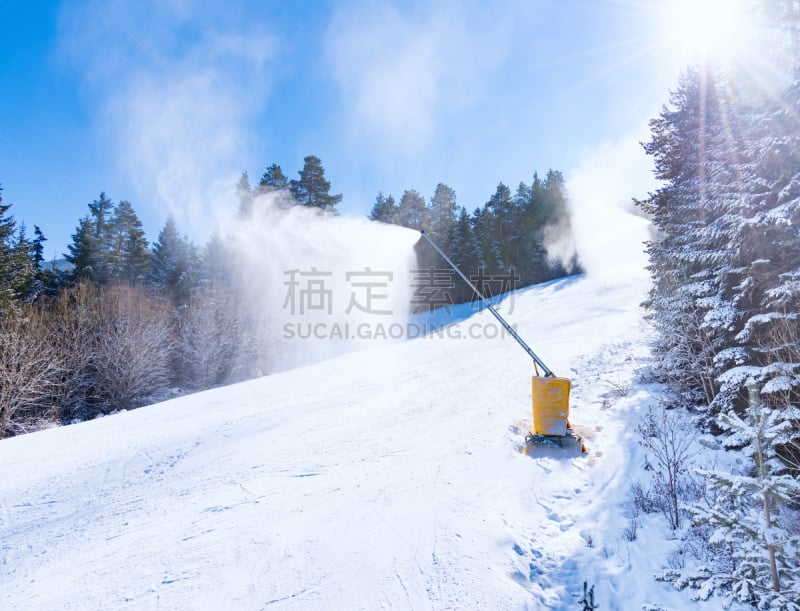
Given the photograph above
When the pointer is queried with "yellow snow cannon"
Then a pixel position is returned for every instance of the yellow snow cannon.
(549, 393)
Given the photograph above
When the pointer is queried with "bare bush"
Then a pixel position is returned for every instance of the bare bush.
(213, 345)
(617, 388)
(134, 340)
(670, 443)
(631, 512)
(74, 340)
(631, 531)
(29, 370)
(676, 559)
(645, 499)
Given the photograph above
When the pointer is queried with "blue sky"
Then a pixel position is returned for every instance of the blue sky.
(166, 103)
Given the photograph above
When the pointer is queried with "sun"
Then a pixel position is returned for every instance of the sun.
(717, 31)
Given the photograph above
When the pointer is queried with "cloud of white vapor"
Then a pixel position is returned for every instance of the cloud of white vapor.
(175, 85)
(318, 285)
(609, 233)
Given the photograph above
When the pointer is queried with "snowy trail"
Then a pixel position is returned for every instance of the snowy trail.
(384, 479)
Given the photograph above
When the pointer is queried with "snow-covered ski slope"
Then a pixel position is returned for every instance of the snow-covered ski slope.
(384, 479)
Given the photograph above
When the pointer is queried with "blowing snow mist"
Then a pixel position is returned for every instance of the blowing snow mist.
(609, 232)
(313, 285)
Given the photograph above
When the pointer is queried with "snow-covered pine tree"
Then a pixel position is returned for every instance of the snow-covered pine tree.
(698, 258)
(770, 332)
(752, 518)
(725, 267)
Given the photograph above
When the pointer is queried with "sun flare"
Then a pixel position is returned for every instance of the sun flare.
(708, 30)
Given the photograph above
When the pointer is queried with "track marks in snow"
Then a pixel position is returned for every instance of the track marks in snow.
(580, 493)
(399, 485)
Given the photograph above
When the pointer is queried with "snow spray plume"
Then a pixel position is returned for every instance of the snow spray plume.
(174, 90)
(609, 232)
(318, 285)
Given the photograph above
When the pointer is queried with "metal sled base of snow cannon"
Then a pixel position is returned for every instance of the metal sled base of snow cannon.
(568, 444)
(552, 434)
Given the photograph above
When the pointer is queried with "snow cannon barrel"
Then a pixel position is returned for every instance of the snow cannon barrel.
(538, 362)
(550, 399)
(550, 394)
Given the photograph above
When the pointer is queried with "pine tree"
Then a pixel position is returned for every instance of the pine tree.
(528, 234)
(443, 211)
(129, 255)
(37, 251)
(312, 189)
(750, 520)
(216, 262)
(24, 269)
(174, 264)
(49, 279)
(82, 251)
(7, 226)
(100, 211)
(384, 209)
(21, 274)
(275, 184)
(694, 260)
(499, 214)
(109, 244)
(725, 267)
(522, 196)
(556, 222)
(768, 337)
(274, 179)
(412, 211)
(553, 201)
(464, 248)
(245, 195)
(481, 221)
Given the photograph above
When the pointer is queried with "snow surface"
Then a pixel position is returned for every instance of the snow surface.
(389, 478)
